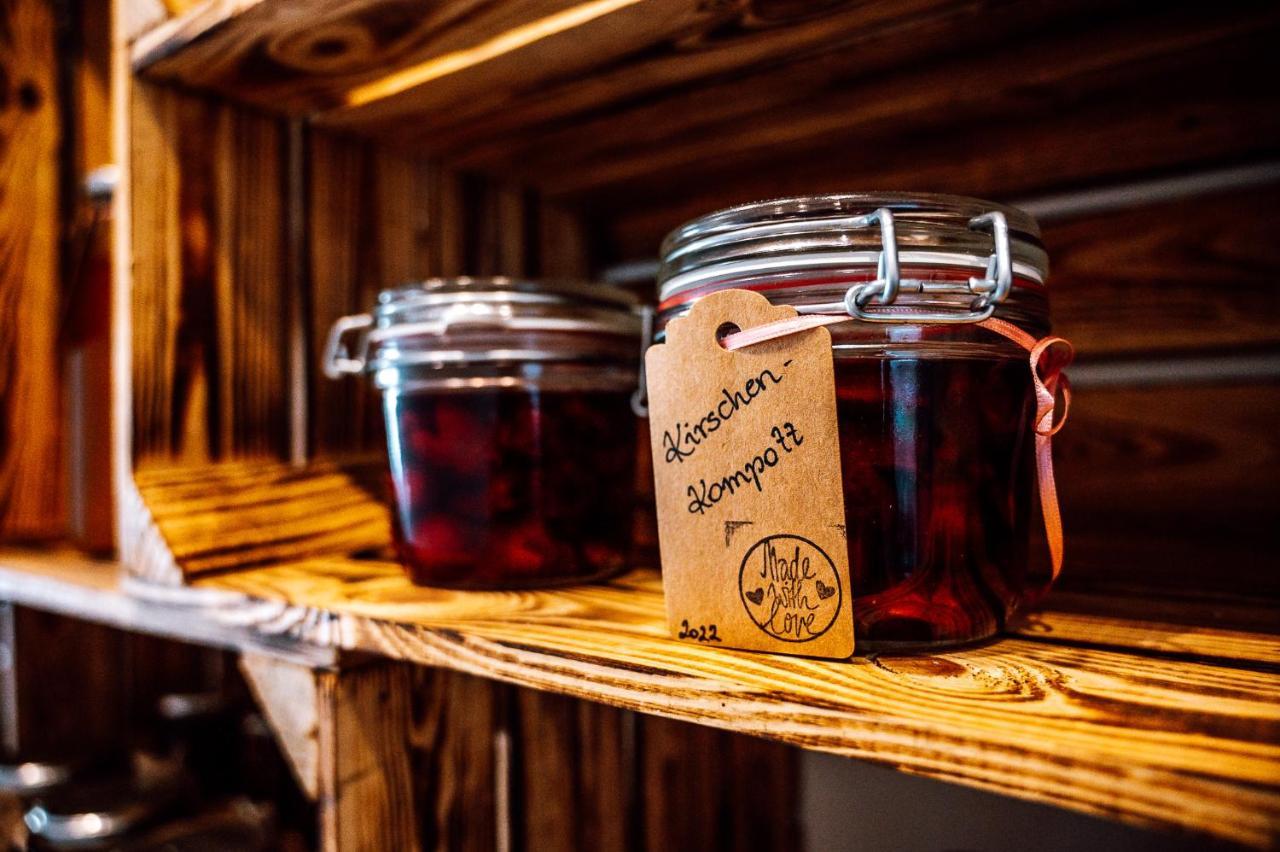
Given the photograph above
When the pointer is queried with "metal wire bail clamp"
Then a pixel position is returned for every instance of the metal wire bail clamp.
(988, 291)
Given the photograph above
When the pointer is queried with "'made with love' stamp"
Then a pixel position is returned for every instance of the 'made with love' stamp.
(790, 588)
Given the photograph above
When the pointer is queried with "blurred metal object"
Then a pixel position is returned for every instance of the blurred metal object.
(31, 777)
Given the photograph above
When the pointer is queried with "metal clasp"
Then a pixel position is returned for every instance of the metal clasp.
(337, 360)
(987, 291)
(640, 397)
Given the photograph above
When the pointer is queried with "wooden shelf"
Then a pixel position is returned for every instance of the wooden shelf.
(1153, 723)
(1156, 720)
(615, 103)
(69, 583)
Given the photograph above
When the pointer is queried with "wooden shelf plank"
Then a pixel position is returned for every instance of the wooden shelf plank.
(1183, 715)
(1154, 719)
(1151, 722)
(1152, 738)
(66, 582)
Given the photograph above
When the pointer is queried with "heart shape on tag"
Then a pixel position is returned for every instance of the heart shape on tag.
(824, 591)
(757, 597)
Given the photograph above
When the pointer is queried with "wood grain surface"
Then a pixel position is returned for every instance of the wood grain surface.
(32, 504)
(240, 513)
(1153, 738)
(371, 224)
(457, 768)
(1169, 279)
(264, 49)
(1172, 488)
(663, 111)
(67, 583)
(1185, 716)
(366, 784)
(210, 357)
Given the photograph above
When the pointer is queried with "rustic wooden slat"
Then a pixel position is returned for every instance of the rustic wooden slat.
(209, 361)
(237, 514)
(368, 229)
(32, 504)
(286, 694)
(762, 115)
(251, 275)
(1135, 736)
(680, 53)
(1045, 718)
(1172, 488)
(716, 790)
(585, 747)
(342, 241)
(1204, 107)
(365, 790)
(1173, 277)
(345, 50)
(563, 243)
(456, 720)
(67, 583)
(232, 516)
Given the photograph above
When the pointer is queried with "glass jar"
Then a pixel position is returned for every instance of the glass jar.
(935, 413)
(510, 431)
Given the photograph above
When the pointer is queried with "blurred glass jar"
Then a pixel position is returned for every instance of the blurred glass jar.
(510, 432)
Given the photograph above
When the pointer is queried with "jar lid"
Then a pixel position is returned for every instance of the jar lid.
(850, 237)
(443, 321)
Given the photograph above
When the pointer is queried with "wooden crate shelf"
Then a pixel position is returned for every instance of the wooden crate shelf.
(348, 144)
(1157, 719)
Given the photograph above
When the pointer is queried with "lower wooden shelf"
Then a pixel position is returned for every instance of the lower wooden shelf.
(1152, 723)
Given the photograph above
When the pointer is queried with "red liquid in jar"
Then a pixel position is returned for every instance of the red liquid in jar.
(939, 480)
(508, 488)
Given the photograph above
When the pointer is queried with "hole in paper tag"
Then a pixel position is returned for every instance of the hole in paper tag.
(747, 479)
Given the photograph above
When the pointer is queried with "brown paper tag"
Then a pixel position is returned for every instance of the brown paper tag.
(746, 459)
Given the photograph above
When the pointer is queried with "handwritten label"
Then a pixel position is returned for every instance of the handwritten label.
(747, 478)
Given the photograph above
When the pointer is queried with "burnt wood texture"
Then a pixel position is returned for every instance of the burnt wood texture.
(32, 502)
(1055, 713)
(650, 113)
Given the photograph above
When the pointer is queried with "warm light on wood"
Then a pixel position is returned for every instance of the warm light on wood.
(460, 60)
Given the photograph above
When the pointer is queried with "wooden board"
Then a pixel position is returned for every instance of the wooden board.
(1171, 488)
(1175, 278)
(1123, 733)
(67, 583)
(209, 349)
(1084, 684)
(31, 485)
(1084, 680)
(649, 114)
(457, 768)
(265, 51)
(365, 789)
(235, 514)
